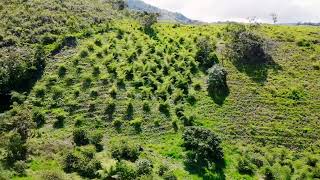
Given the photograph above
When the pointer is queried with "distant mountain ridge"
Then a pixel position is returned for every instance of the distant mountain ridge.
(165, 15)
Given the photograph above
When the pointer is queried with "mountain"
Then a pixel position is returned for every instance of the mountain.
(165, 15)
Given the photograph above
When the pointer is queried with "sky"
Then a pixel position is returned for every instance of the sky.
(288, 11)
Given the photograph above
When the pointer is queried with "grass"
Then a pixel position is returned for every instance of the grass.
(274, 118)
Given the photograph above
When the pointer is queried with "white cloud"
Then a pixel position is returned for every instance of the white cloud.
(240, 10)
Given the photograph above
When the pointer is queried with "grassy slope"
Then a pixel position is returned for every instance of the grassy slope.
(272, 112)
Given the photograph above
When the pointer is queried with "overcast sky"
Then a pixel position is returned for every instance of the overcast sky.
(239, 10)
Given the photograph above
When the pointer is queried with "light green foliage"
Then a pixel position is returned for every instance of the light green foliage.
(268, 106)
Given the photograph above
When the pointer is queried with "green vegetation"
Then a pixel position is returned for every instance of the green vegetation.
(104, 98)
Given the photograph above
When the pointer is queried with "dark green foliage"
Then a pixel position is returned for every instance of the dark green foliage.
(96, 139)
(129, 113)
(148, 19)
(16, 148)
(146, 107)
(175, 126)
(110, 109)
(169, 175)
(94, 93)
(136, 124)
(269, 175)
(17, 97)
(62, 71)
(20, 167)
(117, 124)
(244, 46)
(125, 151)
(84, 53)
(80, 137)
(40, 91)
(164, 108)
(163, 169)
(86, 82)
(98, 42)
(60, 120)
(83, 163)
(122, 170)
(113, 92)
(205, 55)
(245, 167)
(144, 167)
(39, 118)
(203, 146)
(217, 83)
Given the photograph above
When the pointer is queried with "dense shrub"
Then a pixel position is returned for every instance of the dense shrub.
(80, 137)
(110, 109)
(16, 149)
(20, 167)
(144, 167)
(203, 146)
(117, 124)
(136, 124)
(205, 55)
(39, 118)
(163, 169)
(164, 108)
(122, 170)
(169, 175)
(148, 19)
(245, 166)
(62, 71)
(18, 97)
(217, 82)
(146, 106)
(125, 151)
(83, 163)
(244, 46)
(60, 116)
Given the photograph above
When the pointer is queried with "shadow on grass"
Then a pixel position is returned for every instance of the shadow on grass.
(220, 95)
(258, 72)
(214, 171)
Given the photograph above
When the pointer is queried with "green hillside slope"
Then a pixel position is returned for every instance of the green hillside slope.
(122, 100)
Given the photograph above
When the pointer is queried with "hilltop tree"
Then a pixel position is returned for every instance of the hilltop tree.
(148, 19)
(274, 17)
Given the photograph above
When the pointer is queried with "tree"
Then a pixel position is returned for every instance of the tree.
(274, 17)
(244, 46)
(148, 19)
(217, 84)
(203, 147)
(205, 55)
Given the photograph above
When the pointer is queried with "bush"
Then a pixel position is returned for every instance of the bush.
(110, 109)
(98, 42)
(163, 169)
(80, 137)
(245, 167)
(16, 149)
(60, 120)
(122, 170)
(20, 167)
(164, 108)
(203, 146)
(136, 124)
(129, 111)
(144, 167)
(244, 46)
(146, 106)
(83, 163)
(52, 175)
(125, 151)
(205, 55)
(17, 97)
(169, 175)
(117, 124)
(175, 126)
(113, 92)
(38, 118)
(84, 53)
(148, 19)
(40, 91)
(217, 83)
(62, 71)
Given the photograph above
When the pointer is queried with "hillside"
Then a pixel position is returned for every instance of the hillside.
(165, 15)
(119, 103)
